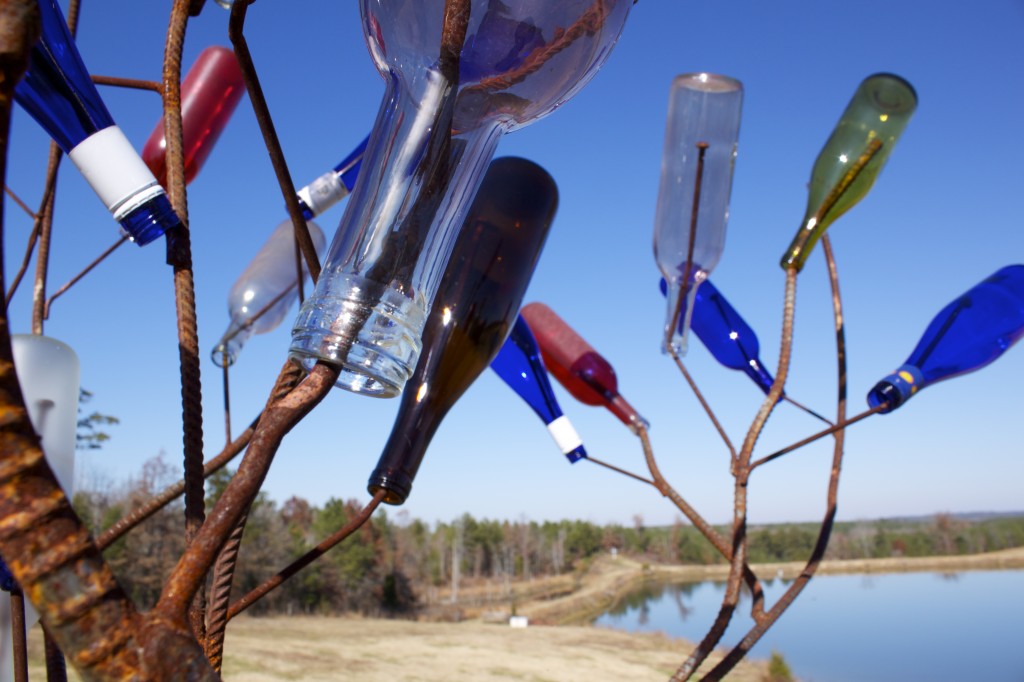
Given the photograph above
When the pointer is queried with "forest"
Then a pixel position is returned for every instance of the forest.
(399, 566)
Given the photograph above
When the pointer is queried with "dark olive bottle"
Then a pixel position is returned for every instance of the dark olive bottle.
(481, 290)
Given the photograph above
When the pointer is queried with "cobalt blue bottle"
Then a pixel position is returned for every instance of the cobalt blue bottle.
(520, 365)
(334, 185)
(966, 335)
(726, 335)
(59, 94)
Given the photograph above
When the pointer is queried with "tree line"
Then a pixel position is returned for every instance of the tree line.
(396, 565)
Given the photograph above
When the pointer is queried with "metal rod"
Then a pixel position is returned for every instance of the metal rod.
(56, 666)
(702, 148)
(129, 83)
(591, 458)
(21, 204)
(74, 280)
(820, 434)
(19, 640)
(707, 408)
(291, 569)
(266, 123)
(807, 410)
(33, 237)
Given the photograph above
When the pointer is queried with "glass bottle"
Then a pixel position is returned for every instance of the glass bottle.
(210, 92)
(520, 365)
(726, 335)
(693, 198)
(332, 186)
(452, 90)
(966, 335)
(48, 373)
(263, 293)
(483, 286)
(58, 92)
(852, 158)
(577, 366)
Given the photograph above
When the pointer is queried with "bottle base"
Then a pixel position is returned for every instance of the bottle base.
(372, 332)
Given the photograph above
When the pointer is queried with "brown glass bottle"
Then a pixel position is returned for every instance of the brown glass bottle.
(481, 290)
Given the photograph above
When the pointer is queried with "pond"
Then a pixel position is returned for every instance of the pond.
(861, 628)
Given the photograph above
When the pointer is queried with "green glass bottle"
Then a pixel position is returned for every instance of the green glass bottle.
(852, 158)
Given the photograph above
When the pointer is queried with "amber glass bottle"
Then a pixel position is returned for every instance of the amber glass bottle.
(480, 294)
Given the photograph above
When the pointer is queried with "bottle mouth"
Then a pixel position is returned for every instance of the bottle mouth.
(396, 485)
(372, 333)
(150, 220)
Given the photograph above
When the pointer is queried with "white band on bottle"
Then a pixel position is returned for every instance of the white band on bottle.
(324, 192)
(115, 171)
(564, 434)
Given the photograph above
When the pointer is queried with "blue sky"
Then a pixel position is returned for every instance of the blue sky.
(941, 217)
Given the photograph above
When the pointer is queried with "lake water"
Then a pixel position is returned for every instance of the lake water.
(900, 627)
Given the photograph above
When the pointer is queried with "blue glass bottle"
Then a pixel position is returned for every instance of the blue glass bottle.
(726, 335)
(334, 185)
(59, 94)
(966, 335)
(520, 365)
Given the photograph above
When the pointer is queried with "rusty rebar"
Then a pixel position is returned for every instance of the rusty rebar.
(742, 478)
(670, 330)
(353, 525)
(33, 237)
(820, 434)
(220, 595)
(236, 26)
(133, 83)
(18, 200)
(85, 271)
(617, 470)
(56, 666)
(179, 256)
(824, 533)
(19, 641)
(278, 418)
(707, 408)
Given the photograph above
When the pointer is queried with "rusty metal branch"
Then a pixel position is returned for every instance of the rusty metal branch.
(33, 237)
(85, 271)
(820, 434)
(821, 543)
(707, 408)
(616, 469)
(354, 524)
(19, 642)
(282, 413)
(742, 476)
(266, 123)
(21, 204)
(133, 83)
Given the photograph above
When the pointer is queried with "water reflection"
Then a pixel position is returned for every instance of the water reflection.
(878, 627)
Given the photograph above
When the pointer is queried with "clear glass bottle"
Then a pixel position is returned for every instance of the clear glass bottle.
(520, 365)
(58, 92)
(452, 90)
(584, 372)
(483, 286)
(966, 335)
(210, 91)
(852, 158)
(697, 164)
(260, 298)
(334, 185)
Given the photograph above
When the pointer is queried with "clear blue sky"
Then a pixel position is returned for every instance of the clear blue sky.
(943, 215)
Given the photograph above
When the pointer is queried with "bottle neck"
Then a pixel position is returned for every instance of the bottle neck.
(395, 238)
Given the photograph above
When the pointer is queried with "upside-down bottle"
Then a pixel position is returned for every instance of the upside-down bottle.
(852, 158)
(520, 365)
(455, 83)
(966, 335)
(261, 296)
(483, 285)
(726, 335)
(697, 162)
(332, 186)
(58, 92)
(584, 372)
(210, 91)
(48, 373)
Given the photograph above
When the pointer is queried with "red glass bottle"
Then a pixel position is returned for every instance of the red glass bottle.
(209, 94)
(584, 372)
